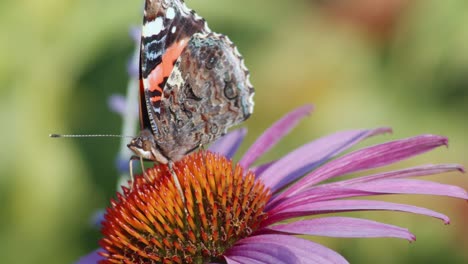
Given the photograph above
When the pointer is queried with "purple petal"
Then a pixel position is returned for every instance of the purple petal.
(97, 218)
(311, 155)
(381, 187)
(117, 104)
(345, 189)
(262, 253)
(133, 63)
(135, 33)
(258, 170)
(343, 227)
(91, 258)
(273, 134)
(307, 251)
(122, 164)
(317, 194)
(231, 261)
(133, 67)
(229, 144)
(369, 158)
(245, 260)
(423, 170)
(409, 186)
(347, 206)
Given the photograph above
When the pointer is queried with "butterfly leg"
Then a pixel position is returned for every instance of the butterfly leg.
(176, 180)
(130, 166)
(143, 170)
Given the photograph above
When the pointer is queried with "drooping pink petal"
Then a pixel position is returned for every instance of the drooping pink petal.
(418, 171)
(345, 189)
(368, 158)
(382, 187)
(307, 251)
(343, 227)
(312, 155)
(314, 195)
(229, 144)
(273, 134)
(262, 253)
(337, 206)
(411, 186)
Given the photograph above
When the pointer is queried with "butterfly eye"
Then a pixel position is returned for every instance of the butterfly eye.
(146, 145)
(134, 142)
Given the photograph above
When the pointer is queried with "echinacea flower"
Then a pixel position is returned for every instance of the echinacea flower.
(236, 213)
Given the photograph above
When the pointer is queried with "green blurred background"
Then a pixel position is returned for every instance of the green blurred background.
(363, 63)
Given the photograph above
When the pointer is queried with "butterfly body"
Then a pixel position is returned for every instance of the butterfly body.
(193, 83)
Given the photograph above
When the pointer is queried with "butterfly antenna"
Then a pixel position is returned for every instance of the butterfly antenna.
(87, 136)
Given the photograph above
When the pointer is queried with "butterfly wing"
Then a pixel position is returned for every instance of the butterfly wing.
(167, 27)
(207, 92)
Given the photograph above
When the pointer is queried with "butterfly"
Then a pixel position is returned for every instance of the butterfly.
(194, 84)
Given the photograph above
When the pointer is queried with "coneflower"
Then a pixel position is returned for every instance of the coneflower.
(235, 213)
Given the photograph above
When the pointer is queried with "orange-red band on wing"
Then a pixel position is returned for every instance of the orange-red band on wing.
(163, 70)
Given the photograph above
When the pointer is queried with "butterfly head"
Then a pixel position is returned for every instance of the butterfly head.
(146, 147)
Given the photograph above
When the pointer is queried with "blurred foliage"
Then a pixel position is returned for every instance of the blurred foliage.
(363, 63)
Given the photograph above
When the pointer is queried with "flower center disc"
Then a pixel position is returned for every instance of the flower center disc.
(151, 224)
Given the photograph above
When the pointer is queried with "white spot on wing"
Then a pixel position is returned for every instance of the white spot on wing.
(146, 82)
(170, 13)
(175, 79)
(157, 110)
(153, 27)
(173, 30)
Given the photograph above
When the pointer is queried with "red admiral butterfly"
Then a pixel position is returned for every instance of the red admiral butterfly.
(193, 83)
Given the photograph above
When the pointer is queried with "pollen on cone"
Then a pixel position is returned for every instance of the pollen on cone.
(150, 223)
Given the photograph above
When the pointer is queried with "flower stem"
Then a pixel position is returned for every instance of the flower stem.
(129, 119)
